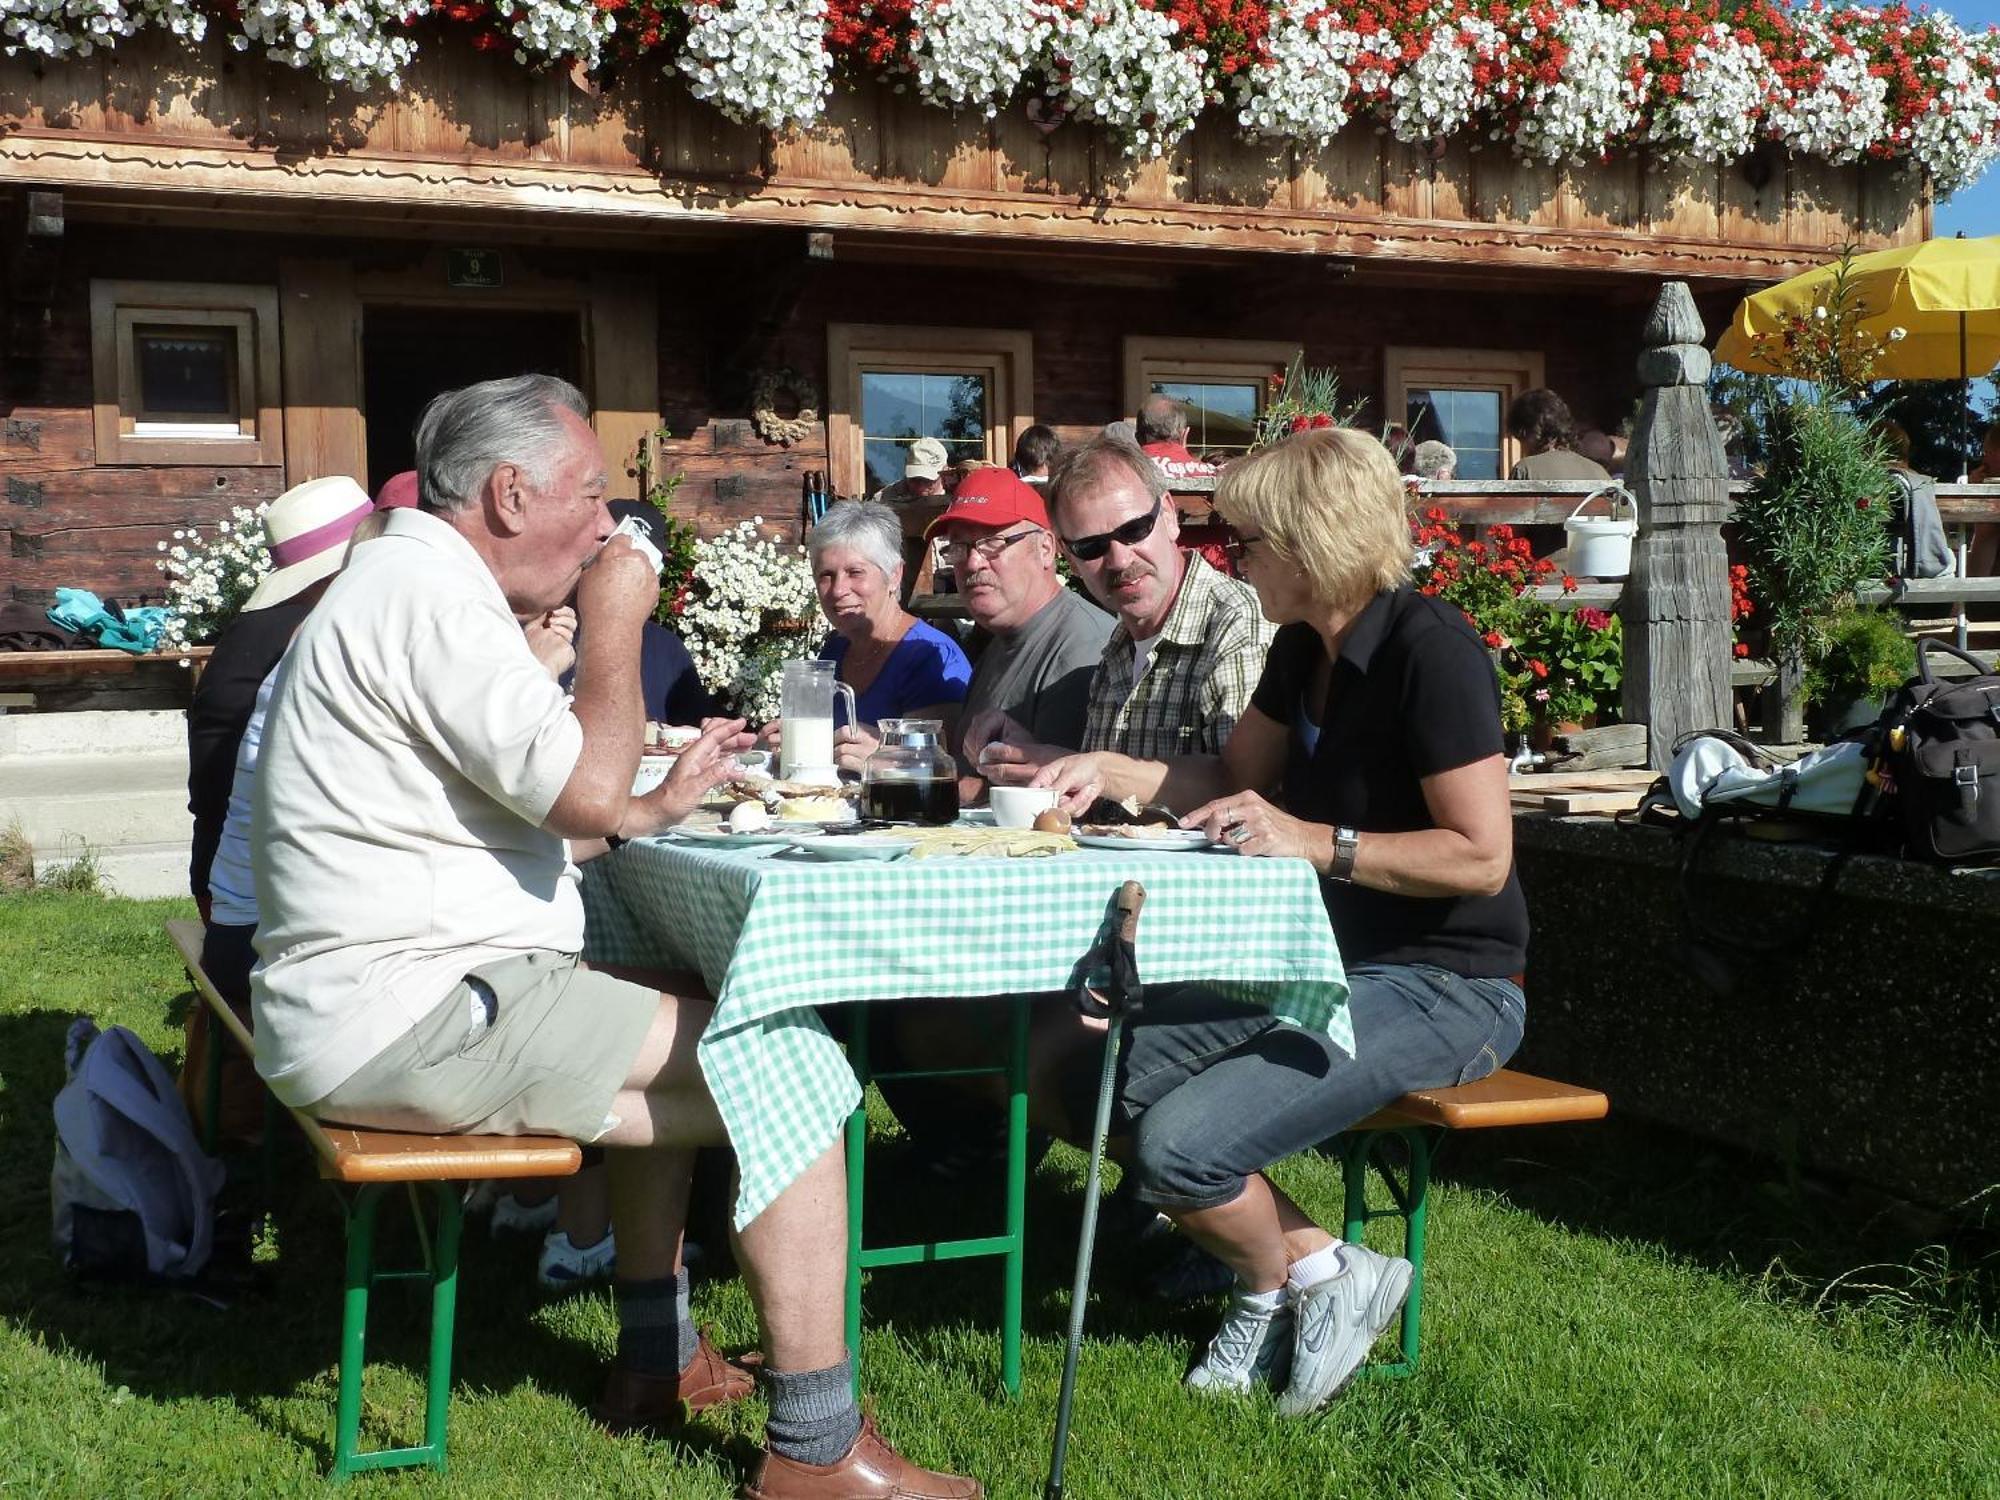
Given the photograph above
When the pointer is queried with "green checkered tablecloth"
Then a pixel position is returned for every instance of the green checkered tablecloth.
(775, 935)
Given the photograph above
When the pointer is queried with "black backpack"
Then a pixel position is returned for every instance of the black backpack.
(1940, 744)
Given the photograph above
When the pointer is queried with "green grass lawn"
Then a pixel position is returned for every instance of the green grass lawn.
(1610, 1312)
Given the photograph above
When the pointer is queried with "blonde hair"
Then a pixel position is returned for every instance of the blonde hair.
(1331, 503)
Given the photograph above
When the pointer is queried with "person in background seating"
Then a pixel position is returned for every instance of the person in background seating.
(1162, 429)
(923, 474)
(1436, 460)
(1983, 557)
(309, 527)
(1372, 750)
(1540, 422)
(1033, 454)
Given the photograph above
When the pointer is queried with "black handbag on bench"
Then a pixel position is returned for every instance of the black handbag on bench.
(1940, 743)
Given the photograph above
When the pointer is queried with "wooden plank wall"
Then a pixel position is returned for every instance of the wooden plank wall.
(726, 313)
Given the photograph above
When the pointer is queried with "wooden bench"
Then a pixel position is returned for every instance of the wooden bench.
(1419, 1121)
(372, 1163)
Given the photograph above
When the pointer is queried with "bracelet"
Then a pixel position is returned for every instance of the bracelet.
(1346, 844)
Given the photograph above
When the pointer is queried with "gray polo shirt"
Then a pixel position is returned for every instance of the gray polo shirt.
(1040, 674)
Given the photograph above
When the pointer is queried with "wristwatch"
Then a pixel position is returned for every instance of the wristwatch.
(1346, 843)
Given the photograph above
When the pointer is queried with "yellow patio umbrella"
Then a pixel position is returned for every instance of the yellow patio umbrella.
(1943, 295)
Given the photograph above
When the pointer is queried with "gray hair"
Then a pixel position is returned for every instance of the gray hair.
(1435, 458)
(868, 526)
(1161, 419)
(1090, 465)
(464, 435)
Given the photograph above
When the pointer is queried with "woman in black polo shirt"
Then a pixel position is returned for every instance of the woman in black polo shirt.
(1377, 728)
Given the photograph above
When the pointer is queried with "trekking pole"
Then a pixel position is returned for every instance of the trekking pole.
(1119, 998)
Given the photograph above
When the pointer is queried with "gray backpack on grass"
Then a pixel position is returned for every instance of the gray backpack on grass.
(132, 1192)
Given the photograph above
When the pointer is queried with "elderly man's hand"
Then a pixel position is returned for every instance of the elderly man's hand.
(1007, 763)
(619, 587)
(553, 640)
(1077, 781)
(704, 765)
(986, 726)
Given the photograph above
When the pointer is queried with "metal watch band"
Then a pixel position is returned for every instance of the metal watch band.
(1346, 842)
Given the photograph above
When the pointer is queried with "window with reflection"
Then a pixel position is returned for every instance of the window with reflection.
(187, 377)
(900, 406)
(1222, 414)
(1468, 418)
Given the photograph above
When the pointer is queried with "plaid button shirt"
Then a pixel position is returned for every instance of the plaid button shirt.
(1199, 677)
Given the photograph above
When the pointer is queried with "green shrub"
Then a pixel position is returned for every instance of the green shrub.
(1867, 657)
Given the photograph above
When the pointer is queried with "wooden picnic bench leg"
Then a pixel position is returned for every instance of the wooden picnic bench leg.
(211, 1081)
(1410, 1199)
(440, 1269)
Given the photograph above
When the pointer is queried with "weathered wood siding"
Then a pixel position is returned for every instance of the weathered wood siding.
(244, 134)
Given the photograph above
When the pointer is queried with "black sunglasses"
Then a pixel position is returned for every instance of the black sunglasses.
(1133, 532)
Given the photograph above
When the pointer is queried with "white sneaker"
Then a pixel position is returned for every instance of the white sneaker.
(512, 1216)
(1337, 1321)
(564, 1265)
(1252, 1347)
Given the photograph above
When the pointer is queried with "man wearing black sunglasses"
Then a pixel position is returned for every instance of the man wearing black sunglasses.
(1189, 644)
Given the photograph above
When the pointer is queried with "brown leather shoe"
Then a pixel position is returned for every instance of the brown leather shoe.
(871, 1470)
(634, 1402)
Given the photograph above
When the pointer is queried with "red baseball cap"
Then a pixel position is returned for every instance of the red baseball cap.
(993, 497)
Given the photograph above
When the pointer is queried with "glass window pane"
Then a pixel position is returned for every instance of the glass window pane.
(892, 405)
(1222, 415)
(186, 371)
(1467, 419)
(910, 405)
(884, 462)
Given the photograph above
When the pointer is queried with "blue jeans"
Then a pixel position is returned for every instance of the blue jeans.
(1205, 1120)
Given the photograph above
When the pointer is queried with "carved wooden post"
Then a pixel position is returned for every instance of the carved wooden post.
(1676, 610)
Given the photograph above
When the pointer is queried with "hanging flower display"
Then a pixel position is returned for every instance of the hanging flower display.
(1554, 80)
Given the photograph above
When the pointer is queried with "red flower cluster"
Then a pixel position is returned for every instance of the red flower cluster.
(1592, 619)
(869, 37)
(1504, 558)
(1231, 32)
(1741, 605)
(1312, 422)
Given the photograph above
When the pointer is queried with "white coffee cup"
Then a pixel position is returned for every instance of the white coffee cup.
(1016, 806)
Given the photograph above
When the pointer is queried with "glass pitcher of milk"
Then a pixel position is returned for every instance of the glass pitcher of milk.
(805, 745)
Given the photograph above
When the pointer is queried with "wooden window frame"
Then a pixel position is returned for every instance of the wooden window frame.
(1222, 361)
(1512, 371)
(118, 309)
(1004, 357)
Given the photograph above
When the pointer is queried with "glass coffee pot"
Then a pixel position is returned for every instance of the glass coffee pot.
(910, 777)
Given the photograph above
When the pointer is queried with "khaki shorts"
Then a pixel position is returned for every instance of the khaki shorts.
(536, 1045)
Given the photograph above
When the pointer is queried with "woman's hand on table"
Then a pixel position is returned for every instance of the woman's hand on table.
(703, 766)
(1250, 825)
(852, 746)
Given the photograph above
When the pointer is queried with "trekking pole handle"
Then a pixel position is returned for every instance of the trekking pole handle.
(1131, 900)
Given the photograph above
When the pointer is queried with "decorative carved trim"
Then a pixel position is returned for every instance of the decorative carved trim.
(392, 184)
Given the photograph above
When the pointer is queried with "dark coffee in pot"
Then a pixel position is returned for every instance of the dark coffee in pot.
(911, 801)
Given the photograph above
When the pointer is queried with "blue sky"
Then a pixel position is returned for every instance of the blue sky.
(1976, 209)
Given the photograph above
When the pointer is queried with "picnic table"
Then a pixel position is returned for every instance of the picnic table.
(775, 934)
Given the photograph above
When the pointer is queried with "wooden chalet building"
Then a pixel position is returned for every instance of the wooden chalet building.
(222, 277)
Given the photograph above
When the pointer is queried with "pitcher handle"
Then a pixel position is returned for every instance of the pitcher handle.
(847, 696)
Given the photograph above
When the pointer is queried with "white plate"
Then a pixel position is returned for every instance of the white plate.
(775, 834)
(1153, 841)
(822, 845)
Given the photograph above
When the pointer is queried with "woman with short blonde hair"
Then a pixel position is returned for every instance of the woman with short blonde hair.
(1372, 748)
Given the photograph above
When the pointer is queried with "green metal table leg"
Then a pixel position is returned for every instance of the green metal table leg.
(1017, 1199)
(1410, 1201)
(1354, 1153)
(857, 1168)
(1415, 1221)
(354, 1327)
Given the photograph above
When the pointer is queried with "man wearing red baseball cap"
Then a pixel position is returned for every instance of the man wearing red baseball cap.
(1046, 639)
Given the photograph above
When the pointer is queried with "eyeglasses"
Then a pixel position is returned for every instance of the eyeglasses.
(1237, 547)
(988, 547)
(1133, 532)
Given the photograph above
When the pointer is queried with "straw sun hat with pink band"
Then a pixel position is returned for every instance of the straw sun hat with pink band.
(308, 527)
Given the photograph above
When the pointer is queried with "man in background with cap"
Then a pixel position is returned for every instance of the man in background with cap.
(1046, 640)
(923, 474)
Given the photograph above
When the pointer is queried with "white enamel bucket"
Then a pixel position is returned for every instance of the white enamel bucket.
(1601, 546)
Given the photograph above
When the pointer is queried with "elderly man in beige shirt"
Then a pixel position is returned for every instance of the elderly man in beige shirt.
(420, 776)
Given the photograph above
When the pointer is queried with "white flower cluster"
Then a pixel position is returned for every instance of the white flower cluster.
(57, 27)
(344, 41)
(1595, 102)
(1437, 95)
(742, 582)
(974, 53)
(759, 61)
(552, 30)
(207, 582)
(1303, 92)
(1725, 92)
(1116, 62)
(1846, 112)
(1958, 137)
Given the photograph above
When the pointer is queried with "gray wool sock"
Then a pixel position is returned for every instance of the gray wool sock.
(655, 1334)
(814, 1418)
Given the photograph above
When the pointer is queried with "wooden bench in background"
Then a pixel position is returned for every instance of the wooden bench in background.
(1418, 1121)
(372, 1163)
